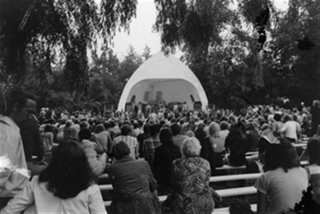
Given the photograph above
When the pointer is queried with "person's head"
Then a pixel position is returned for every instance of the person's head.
(21, 105)
(190, 133)
(120, 150)
(313, 149)
(191, 147)
(68, 123)
(84, 134)
(316, 103)
(232, 119)
(214, 129)
(165, 136)
(146, 129)
(175, 129)
(126, 129)
(318, 131)
(224, 125)
(266, 130)
(154, 130)
(236, 131)
(281, 155)
(69, 172)
(99, 128)
(84, 125)
(240, 206)
(287, 118)
(136, 125)
(277, 117)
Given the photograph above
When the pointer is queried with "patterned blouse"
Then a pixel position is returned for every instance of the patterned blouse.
(192, 194)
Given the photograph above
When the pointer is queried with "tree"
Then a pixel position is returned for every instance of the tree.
(146, 53)
(66, 27)
(255, 52)
(193, 25)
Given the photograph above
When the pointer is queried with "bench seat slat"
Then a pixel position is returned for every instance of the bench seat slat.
(222, 193)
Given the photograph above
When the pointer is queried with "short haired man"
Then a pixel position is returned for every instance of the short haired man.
(23, 115)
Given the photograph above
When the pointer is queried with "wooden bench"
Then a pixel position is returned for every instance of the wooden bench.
(227, 167)
(223, 193)
(224, 167)
(226, 209)
(252, 153)
(249, 176)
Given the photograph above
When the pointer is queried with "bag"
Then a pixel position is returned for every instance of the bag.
(167, 205)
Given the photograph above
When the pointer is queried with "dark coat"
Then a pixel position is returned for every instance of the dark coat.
(164, 156)
(134, 187)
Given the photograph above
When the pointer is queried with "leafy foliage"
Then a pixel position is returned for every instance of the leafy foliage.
(232, 59)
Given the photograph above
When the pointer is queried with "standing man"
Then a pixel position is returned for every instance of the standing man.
(315, 113)
(23, 115)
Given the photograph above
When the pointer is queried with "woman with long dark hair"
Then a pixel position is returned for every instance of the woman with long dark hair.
(237, 145)
(283, 179)
(65, 186)
(163, 158)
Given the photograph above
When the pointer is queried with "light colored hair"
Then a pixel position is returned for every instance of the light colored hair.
(191, 147)
(214, 130)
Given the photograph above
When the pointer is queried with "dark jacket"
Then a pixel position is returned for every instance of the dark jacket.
(134, 187)
(164, 156)
(31, 139)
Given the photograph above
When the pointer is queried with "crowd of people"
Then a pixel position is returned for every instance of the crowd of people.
(162, 152)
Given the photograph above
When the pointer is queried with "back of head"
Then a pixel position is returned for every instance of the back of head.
(126, 129)
(69, 172)
(175, 129)
(165, 136)
(277, 117)
(84, 134)
(146, 129)
(240, 206)
(190, 133)
(99, 128)
(214, 129)
(281, 155)
(287, 118)
(120, 150)
(316, 103)
(191, 147)
(154, 129)
(313, 149)
(224, 125)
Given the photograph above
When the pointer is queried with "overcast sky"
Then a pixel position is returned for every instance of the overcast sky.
(141, 31)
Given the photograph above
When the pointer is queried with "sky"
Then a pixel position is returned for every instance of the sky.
(142, 33)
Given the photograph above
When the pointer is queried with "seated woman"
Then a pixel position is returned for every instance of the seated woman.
(133, 183)
(65, 186)
(283, 180)
(190, 180)
(313, 169)
(237, 145)
(97, 162)
(164, 155)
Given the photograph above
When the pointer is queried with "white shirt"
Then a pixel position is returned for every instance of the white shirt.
(132, 143)
(290, 129)
(11, 146)
(283, 188)
(44, 202)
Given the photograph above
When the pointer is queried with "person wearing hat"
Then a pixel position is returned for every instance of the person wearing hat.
(23, 115)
